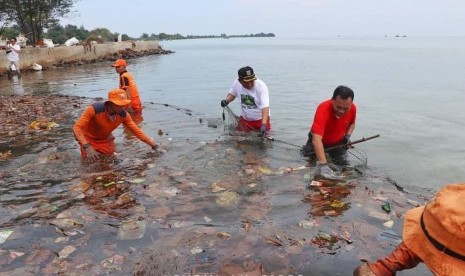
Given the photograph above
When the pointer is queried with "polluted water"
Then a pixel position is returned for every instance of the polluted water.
(210, 201)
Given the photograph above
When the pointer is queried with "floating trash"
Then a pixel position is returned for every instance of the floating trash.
(4, 234)
(389, 223)
(213, 122)
(325, 240)
(43, 124)
(5, 155)
(265, 170)
(16, 254)
(227, 199)
(196, 250)
(386, 207)
(307, 224)
(380, 198)
(217, 187)
(65, 252)
(223, 235)
(379, 215)
(137, 180)
(61, 239)
(172, 191)
(391, 236)
(132, 230)
(316, 183)
(413, 202)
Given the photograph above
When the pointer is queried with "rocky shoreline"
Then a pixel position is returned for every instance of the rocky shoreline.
(124, 54)
(32, 58)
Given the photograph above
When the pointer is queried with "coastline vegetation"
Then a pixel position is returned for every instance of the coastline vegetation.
(59, 34)
(37, 21)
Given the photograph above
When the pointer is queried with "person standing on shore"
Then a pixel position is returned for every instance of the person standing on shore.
(333, 124)
(255, 101)
(128, 84)
(93, 130)
(12, 51)
(433, 234)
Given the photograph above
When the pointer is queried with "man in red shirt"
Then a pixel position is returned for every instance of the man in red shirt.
(333, 125)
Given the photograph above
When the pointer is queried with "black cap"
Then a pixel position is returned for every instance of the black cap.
(246, 74)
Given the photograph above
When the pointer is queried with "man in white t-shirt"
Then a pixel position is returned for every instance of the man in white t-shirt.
(255, 101)
(12, 51)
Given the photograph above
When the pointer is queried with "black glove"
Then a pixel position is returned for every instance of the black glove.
(310, 138)
(224, 103)
(262, 130)
(155, 147)
(346, 139)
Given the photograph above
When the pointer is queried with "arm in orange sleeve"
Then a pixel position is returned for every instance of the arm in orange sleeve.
(401, 258)
(129, 123)
(81, 125)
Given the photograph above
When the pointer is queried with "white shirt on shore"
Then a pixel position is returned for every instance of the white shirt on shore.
(14, 55)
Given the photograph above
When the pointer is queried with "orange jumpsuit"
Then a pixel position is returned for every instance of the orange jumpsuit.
(401, 258)
(127, 82)
(94, 127)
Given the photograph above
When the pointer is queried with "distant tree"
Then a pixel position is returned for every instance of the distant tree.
(10, 32)
(33, 16)
(82, 33)
(57, 34)
(144, 36)
(153, 37)
(162, 36)
(104, 33)
(125, 37)
(71, 30)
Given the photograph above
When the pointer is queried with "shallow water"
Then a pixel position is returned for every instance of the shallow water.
(209, 201)
(408, 90)
(261, 214)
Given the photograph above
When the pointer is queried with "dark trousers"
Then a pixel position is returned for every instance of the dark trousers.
(338, 155)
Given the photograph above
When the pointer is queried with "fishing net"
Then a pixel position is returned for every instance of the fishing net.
(354, 155)
(231, 122)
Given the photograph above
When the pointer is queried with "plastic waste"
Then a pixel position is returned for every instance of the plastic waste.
(36, 67)
(72, 41)
(48, 43)
(4, 234)
(386, 207)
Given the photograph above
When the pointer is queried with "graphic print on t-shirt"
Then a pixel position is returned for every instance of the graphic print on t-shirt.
(248, 102)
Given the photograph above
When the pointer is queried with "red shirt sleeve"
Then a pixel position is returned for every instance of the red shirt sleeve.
(321, 118)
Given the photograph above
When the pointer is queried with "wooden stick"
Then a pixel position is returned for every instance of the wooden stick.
(353, 143)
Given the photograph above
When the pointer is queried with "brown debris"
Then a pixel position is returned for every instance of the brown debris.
(23, 115)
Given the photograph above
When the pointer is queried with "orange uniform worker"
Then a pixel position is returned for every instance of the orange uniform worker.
(128, 84)
(93, 130)
(433, 234)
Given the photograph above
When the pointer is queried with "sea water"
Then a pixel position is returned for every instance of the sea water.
(409, 90)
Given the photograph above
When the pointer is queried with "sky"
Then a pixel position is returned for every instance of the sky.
(284, 18)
